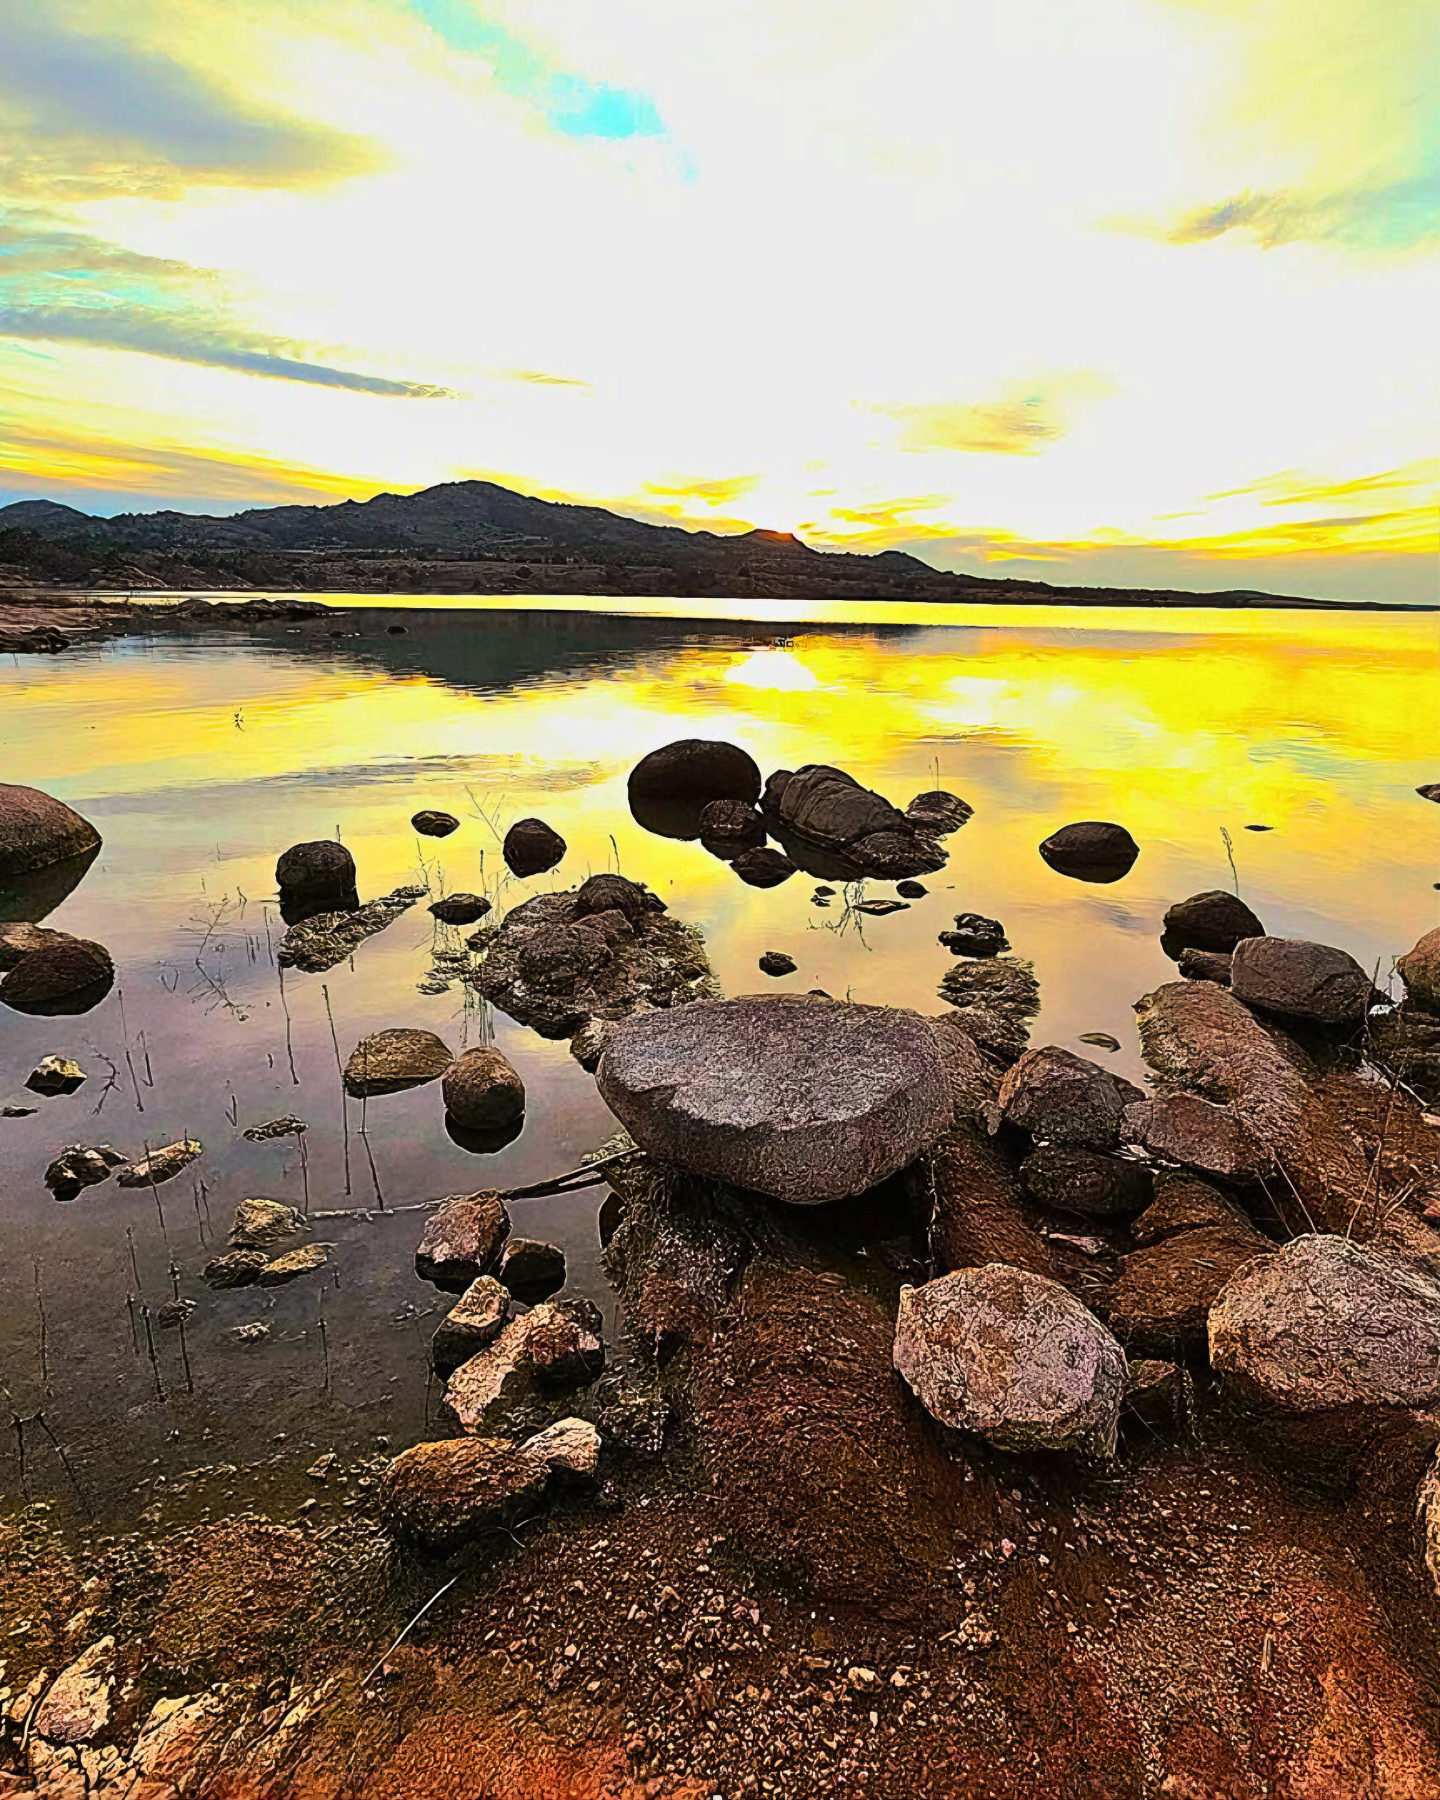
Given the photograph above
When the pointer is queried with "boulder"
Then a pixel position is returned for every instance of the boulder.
(1213, 920)
(462, 1241)
(37, 831)
(802, 1098)
(937, 813)
(318, 939)
(555, 1346)
(614, 893)
(1419, 969)
(439, 1494)
(17, 940)
(305, 1261)
(911, 890)
(64, 975)
(1313, 983)
(975, 935)
(76, 1707)
(322, 869)
(388, 1062)
(1205, 965)
(531, 847)
(729, 826)
(1162, 1298)
(1014, 1358)
(160, 1165)
(460, 909)
(826, 807)
(482, 1091)
(1182, 1203)
(1091, 850)
(994, 1000)
(776, 962)
(1325, 1323)
(476, 1319)
(1406, 1043)
(259, 1222)
(1086, 1181)
(240, 1268)
(1066, 1099)
(762, 868)
(81, 1166)
(695, 770)
(530, 1269)
(1197, 1134)
(435, 824)
(55, 1075)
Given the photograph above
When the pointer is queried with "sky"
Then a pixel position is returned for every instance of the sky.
(1142, 291)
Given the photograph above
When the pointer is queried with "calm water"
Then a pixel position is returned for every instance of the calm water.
(200, 760)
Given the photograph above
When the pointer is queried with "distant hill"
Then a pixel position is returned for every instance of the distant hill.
(477, 537)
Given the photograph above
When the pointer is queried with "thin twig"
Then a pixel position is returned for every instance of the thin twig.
(408, 1629)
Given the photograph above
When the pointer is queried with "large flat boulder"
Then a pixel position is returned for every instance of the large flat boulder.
(387, 1062)
(1061, 1098)
(1014, 1358)
(36, 830)
(1313, 983)
(828, 808)
(799, 1097)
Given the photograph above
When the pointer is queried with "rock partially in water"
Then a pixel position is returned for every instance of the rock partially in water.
(937, 813)
(476, 1319)
(554, 1347)
(1091, 850)
(259, 1222)
(826, 807)
(531, 1270)
(1419, 969)
(462, 1240)
(160, 1165)
(555, 968)
(287, 1125)
(322, 939)
(1197, 1134)
(61, 975)
(81, 1166)
(1066, 1099)
(37, 831)
(531, 847)
(975, 935)
(696, 770)
(1213, 920)
(1014, 1358)
(439, 1494)
(320, 873)
(240, 1268)
(776, 962)
(763, 868)
(801, 1098)
(435, 824)
(388, 1062)
(173, 1314)
(18, 939)
(483, 1092)
(305, 1261)
(911, 890)
(1314, 983)
(1430, 791)
(460, 909)
(1086, 1181)
(730, 826)
(994, 1001)
(54, 1075)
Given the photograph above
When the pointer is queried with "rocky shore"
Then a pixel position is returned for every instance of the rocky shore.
(980, 1423)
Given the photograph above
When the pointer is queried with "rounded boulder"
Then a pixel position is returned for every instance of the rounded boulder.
(65, 975)
(531, 847)
(1091, 850)
(696, 769)
(1213, 920)
(37, 830)
(482, 1091)
(1314, 983)
(320, 867)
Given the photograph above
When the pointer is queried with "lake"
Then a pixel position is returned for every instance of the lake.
(200, 758)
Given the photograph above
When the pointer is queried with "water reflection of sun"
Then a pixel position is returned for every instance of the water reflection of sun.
(779, 670)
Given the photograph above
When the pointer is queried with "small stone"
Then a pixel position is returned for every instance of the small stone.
(251, 1333)
(776, 962)
(160, 1165)
(320, 1469)
(879, 909)
(1092, 850)
(460, 909)
(531, 1270)
(389, 1062)
(240, 1268)
(482, 1091)
(287, 1125)
(174, 1313)
(975, 935)
(911, 890)
(304, 1261)
(763, 868)
(435, 824)
(477, 1319)
(462, 1240)
(861, 1679)
(81, 1166)
(55, 1075)
(260, 1222)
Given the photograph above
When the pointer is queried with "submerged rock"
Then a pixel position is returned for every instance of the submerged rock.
(1325, 1323)
(1014, 1358)
(160, 1165)
(696, 770)
(259, 1222)
(304, 1261)
(387, 1062)
(460, 909)
(994, 1001)
(975, 935)
(801, 1098)
(476, 1319)
(439, 1494)
(911, 890)
(61, 975)
(763, 868)
(1213, 920)
(729, 826)
(1092, 850)
(531, 847)
(483, 1092)
(240, 1268)
(435, 824)
(1066, 1099)
(36, 830)
(323, 939)
(461, 1241)
(81, 1166)
(1313, 983)
(55, 1075)
(826, 807)
(937, 813)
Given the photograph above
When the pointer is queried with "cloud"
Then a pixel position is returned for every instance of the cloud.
(1396, 217)
(61, 286)
(1291, 489)
(1021, 423)
(83, 115)
(719, 492)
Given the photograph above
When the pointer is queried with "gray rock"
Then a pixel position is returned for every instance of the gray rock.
(81, 1166)
(476, 1319)
(259, 1222)
(1066, 1099)
(460, 909)
(435, 824)
(387, 1062)
(1086, 1181)
(1091, 850)
(55, 1075)
(1213, 920)
(802, 1098)
(1419, 969)
(439, 1494)
(1182, 1128)
(1013, 1357)
(37, 830)
(482, 1091)
(1326, 1323)
(1314, 983)
(697, 770)
(462, 1240)
(531, 847)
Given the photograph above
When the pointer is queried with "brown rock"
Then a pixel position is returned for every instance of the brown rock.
(37, 830)
(260, 1222)
(460, 909)
(81, 1166)
(241, 1268)
(1313, 983)
(531, 1270)
(477, 1319)
(1066, 1099)
(461, 1242)
(555, 1346)
(1165, 1290)
(319, 868)
(531, 847)
(61, 970)
(1184, 1204)
(937, 813)
(482, 1091)
(54, 1075)
(1213, 920)
(762, 868)
(160, 1165)
(304, 1261)
(1205, 965)
(1427, 1525)
(1092, 850)
(76, 1708)
(1085, 1181)
(435, 824)
(1419, 969)
(1183, 1128)
(387, 1062)
(697, 770)
(729, 826)
(439, 1494)
(606, 893)
(825, 807)
(19, 939)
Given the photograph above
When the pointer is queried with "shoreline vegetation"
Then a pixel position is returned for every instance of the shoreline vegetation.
(474, 538)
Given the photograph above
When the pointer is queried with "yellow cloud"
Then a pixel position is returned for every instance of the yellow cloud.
(718, 492)
(1021, 423)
